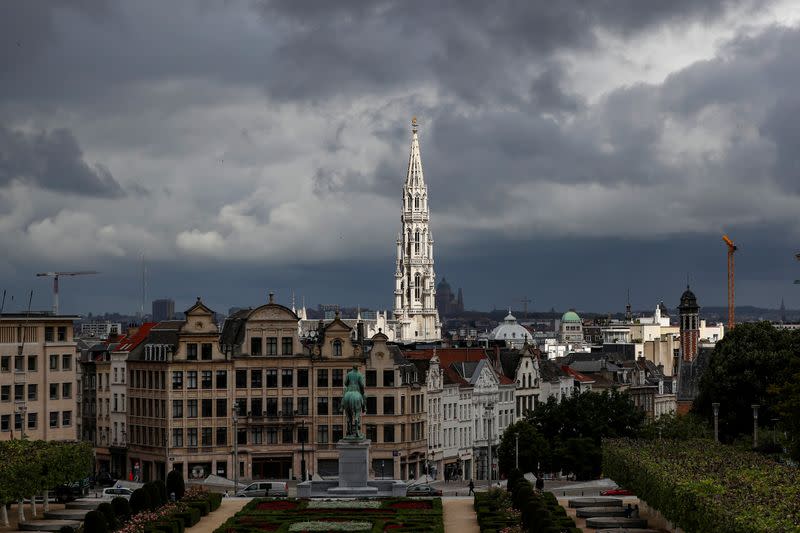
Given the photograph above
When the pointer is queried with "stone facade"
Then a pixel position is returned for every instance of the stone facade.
(38, 377)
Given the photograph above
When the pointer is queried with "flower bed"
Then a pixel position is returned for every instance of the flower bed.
(398, 515)
(707, 487)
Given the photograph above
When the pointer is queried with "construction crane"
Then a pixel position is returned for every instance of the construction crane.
(55, 276)
(731, 306)
(525, 302)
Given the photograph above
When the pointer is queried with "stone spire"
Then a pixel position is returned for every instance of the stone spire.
(415, 280)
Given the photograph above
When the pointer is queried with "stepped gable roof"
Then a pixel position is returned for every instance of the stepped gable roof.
(577, 375)
(129, 342)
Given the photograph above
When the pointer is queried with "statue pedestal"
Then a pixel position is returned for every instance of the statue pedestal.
(353, 479)
(353, 462)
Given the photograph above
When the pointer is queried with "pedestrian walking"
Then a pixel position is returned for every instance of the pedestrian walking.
(471, 488)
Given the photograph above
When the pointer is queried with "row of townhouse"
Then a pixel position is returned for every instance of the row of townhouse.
(185, 395)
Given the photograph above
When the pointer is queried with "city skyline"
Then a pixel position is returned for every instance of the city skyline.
(598, 150)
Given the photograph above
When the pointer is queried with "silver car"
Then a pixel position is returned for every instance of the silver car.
(265, 488)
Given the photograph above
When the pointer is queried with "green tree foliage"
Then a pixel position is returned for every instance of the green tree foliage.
(175, 484)
(566, 436)
(31, 467)
(750, 365)
(533, 448)
(787, 406)
(680, 427)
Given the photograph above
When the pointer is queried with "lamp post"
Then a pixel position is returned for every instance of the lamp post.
(489, 415)
(516, 450)
(22, 408)
(755, 407)
(715, 406)
(235, 446)
(302, 449)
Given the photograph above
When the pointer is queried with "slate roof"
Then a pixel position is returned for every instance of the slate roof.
(549, 370)
(508, 362)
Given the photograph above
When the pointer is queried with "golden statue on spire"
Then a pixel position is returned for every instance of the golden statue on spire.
(414, 123)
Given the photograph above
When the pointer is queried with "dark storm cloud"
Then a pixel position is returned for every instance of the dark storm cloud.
(52, 160)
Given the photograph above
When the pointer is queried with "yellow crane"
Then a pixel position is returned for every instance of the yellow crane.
(55, 276)
(731, 305)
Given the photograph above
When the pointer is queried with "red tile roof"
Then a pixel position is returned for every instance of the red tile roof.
(447, 356)
(577, 375)
(129, 342)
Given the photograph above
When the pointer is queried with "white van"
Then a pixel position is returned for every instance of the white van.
(265, 488)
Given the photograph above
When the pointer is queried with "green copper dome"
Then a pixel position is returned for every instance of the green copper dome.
(570, 316)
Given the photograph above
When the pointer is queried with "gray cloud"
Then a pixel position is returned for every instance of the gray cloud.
(52, 160)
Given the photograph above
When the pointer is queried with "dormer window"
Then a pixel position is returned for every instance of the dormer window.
(337, 348)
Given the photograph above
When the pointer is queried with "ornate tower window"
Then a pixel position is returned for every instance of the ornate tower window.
(416, 242)
(416, 285)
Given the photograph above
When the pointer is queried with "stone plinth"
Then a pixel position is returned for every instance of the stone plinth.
(353, 479)
(353, 463)
(612, 522)
(589, 512)
(598, 501)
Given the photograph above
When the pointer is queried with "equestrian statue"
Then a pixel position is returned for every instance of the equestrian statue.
(354, 403)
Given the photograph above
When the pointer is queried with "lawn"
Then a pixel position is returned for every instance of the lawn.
(289, 515)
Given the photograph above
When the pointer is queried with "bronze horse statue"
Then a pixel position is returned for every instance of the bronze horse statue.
(354, 403)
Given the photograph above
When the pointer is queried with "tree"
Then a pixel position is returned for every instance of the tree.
(675, 426)
(740, 371)
(573, 429)
(787, 406)
(95, 522)
(533, 448)
(140, 501)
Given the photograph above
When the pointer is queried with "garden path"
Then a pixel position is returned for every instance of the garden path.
(459, 516)
(214, 519)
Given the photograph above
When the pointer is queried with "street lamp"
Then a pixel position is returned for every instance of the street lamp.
(755, 407)
(235, 446)
(516, 450)
(302, 449)
(22, 408)
(490, 416)
(715, 406)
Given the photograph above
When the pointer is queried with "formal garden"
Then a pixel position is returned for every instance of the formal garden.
(520, 508)
(396, 515)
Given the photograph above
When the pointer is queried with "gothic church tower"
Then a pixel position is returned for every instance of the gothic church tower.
(415, 288)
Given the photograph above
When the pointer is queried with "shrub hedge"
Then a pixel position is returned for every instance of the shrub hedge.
(706, 487)
(534, 511)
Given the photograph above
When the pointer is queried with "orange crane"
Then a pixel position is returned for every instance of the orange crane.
(731, 249)
(55, 276)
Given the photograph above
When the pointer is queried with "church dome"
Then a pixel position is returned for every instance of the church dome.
(570, 316)
(511, 332)
(443, 285)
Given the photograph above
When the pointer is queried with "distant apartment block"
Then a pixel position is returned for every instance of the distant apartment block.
(38, 377)
(100, 329)
(163, 309)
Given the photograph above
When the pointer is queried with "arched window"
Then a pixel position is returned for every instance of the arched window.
(416, 202)
(337, 347)
(409, 201)
(417, 282)
(416, 242)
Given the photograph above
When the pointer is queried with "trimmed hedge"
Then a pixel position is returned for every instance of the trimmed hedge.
(95, 522)
(175, 485)
(140, 501)
(706, 487)
(121, 507)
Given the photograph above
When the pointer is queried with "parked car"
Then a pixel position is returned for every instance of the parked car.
(114, 492)
(265, 488)
(423, 490)
(104, 479)
(71, 491)
(616, 492)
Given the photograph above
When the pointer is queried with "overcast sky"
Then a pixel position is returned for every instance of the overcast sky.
(572, 149)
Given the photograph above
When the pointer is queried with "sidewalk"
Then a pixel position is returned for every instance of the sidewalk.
(210, 522)
(459, 516)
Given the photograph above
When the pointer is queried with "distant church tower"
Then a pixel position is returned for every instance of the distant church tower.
(689, 316)
(415, 289)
